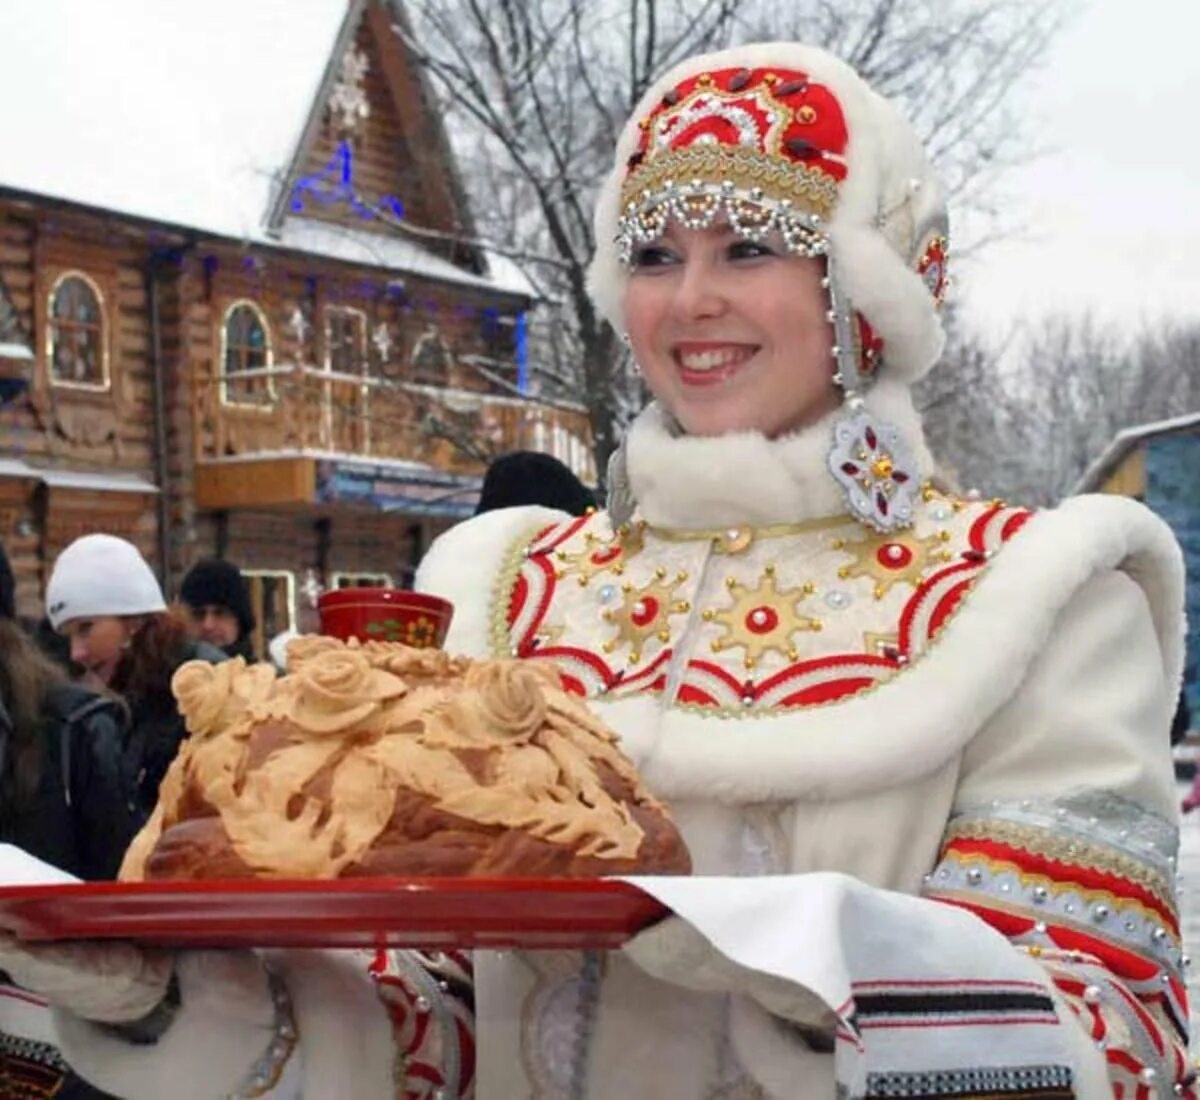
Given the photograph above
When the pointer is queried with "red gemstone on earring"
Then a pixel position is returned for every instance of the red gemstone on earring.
(850, 468)
(882, 504)
(870, 437)
(899, 477)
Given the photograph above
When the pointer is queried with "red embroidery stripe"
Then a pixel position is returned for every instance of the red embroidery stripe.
(605, 674)
(1013, 524)
(946, 605)
(976, 1021)
(649, 670)
(1066, 873)
(827, 693)
(818, 664)
(1148, 1022)
(525, 644)
(564, 532)
(921, 595)
(1123, 963)
(516, 599)
(978, 535)
(717, 671)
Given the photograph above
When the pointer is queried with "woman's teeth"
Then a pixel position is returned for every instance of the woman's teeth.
(711, 360)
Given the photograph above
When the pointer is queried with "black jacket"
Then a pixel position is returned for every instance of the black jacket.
(81, 819)
(156, 731)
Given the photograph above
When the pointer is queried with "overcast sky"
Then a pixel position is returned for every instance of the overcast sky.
(1110, 216)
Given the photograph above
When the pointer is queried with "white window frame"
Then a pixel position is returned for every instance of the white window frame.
(105, 365)
(268, 370)
(343, 579)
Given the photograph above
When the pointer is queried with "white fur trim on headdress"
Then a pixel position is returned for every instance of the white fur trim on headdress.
(888, 207)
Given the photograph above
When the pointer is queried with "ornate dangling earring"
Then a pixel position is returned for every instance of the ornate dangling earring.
(619, 500)
(869, 459)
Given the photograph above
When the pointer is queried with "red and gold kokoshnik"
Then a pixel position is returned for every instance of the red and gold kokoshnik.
(763, 147)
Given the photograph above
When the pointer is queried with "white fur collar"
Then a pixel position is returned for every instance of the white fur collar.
(745, 478)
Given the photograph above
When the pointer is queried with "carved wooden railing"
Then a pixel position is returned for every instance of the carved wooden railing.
(296, 408)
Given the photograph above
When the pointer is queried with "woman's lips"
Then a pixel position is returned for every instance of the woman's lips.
(709, 363)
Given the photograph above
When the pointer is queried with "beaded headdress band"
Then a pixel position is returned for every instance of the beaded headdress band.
(762, 148)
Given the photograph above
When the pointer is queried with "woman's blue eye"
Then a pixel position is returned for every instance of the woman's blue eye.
(652, 256)
(749, 250)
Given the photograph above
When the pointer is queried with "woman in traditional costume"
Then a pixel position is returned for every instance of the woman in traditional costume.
(926, 732)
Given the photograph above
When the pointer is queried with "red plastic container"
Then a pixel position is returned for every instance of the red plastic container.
(385, 615)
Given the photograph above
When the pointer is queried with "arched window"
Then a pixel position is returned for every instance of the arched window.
(430, 359)
(245, 352)
(77, 350)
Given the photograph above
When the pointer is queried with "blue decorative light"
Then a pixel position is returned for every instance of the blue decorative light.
(522, 341)
(335, 184)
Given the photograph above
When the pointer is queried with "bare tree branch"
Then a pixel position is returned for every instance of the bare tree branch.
(536, 91)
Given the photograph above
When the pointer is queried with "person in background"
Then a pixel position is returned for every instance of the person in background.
(105, 599)
(61, 797)
(530, 477)
(214, 593)
(62, 800)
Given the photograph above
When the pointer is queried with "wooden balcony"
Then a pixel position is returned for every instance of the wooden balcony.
(296, 434)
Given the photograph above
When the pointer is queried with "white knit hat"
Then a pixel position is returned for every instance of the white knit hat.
(101, 575)
(793, 127)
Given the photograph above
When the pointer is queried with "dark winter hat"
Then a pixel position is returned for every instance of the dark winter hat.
(529, 477)
(8, 588)
(214, 581)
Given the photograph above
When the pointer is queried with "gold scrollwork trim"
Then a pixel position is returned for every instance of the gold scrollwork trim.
(809, 189)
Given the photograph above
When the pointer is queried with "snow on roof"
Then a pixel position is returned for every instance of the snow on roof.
(343, 243)
(77, 479)
(184, 114)
(1125, 441)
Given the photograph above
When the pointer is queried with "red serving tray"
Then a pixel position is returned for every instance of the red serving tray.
(376, 912)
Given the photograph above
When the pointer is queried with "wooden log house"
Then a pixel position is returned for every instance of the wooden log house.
(240, 313)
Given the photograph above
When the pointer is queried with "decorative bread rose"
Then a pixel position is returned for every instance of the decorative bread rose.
(504, 702)
(338, 688)
(202, 691)
(511, 696)
(212, 697)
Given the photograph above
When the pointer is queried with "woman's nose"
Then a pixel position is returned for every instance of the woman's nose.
(698, 293)
(79, 651)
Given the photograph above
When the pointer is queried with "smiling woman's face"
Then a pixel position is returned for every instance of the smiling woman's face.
(731, 336)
